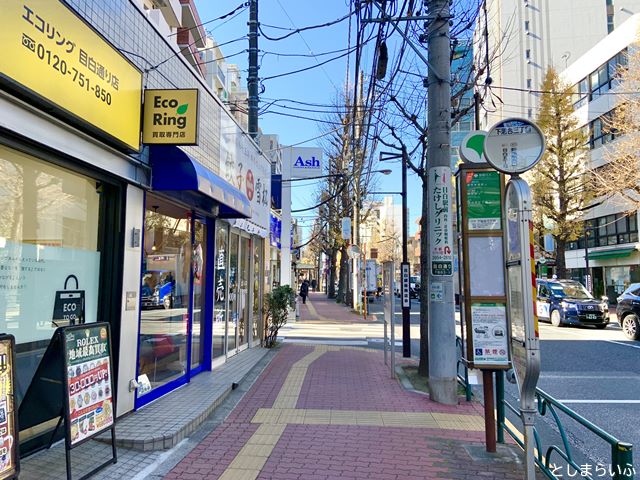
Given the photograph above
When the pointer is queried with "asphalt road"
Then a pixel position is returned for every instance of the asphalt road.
(596, 373)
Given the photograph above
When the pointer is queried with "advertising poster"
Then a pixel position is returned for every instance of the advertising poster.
(8, 438)
(440, 220)
(483, 201)
(490, 335)
(89, 381)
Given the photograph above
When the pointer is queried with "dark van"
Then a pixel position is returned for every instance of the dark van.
(567, 302)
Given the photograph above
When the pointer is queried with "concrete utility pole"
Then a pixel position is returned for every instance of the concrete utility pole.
(442, 336)
(252, 77)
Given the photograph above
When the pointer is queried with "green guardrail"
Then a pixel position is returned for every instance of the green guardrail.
(463, 377)
(621, 465)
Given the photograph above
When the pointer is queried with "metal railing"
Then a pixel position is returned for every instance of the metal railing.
(463, 377)
(621, 465)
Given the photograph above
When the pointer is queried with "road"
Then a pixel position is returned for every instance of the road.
(594, 372)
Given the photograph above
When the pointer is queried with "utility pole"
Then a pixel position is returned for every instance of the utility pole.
(252, 78)
(442, 336)
(406, 306)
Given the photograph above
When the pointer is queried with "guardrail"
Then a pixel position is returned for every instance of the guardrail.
(463, 378)
(621, 465)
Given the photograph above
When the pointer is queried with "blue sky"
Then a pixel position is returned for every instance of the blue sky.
(320, 85)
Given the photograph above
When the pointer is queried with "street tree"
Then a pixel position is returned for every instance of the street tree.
(561, 182)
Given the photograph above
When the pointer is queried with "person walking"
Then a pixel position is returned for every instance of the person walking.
(304, 290)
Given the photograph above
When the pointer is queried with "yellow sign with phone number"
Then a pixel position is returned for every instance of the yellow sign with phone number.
(49, 50)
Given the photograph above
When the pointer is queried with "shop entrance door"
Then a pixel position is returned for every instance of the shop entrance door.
(234, 258)
(199, 254)
(243, 292)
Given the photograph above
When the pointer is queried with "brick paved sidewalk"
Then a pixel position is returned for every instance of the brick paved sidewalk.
(325, 412)
(321, 308)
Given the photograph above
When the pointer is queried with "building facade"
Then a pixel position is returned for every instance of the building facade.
(612, 241)
(167, 243)
(525, 37)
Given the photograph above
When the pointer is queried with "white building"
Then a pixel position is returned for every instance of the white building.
(381, 231)
(613, 242)
(528, 36)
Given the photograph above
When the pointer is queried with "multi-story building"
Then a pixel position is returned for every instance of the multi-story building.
(165, 242)
(612, 240)
(525, 37)
(381, 231)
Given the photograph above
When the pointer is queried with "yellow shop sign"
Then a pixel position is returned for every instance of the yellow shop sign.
(50, 51)
(170, 117)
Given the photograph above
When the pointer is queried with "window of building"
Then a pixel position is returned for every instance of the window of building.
(600, 80)
(608, 230)
(529, 83)
(526, 25)
(527, 54)
(600, 130)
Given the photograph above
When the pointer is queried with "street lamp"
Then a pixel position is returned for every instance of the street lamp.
(404, 266)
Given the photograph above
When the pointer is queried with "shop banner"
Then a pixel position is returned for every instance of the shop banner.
(303, 162)
(48, 50)
(9, 460)
(170, 117)
(246, 168)
(89, 381)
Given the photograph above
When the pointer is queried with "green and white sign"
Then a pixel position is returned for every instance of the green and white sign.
(472, 147)
(483, 200)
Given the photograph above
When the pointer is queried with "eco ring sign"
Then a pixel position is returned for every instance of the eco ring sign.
(170, 117)
(514, 145)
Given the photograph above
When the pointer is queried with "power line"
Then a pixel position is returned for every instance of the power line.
(298, 30)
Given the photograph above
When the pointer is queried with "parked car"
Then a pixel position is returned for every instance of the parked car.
(567, 302)
(628, 311)
(158, 289)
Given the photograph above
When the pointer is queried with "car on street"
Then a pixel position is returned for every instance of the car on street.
(567, 302)
(158, 289)
(628, 311)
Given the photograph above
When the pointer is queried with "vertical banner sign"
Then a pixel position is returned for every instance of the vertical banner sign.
(9, 460)
(406, 299)
(441, 237)
(89, 381)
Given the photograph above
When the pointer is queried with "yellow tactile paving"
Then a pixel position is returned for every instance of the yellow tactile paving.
(301, 416)
(254, 454)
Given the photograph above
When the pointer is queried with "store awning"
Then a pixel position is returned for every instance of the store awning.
(173, 170)
(613, 253)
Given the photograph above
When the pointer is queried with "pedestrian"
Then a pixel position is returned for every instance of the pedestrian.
(304, 290)
(313, 284)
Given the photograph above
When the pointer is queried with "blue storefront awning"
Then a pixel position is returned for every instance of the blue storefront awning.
(173, 170)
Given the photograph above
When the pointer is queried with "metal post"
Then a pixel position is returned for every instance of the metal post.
(406, 309)
(622, 460)
(500, 404)
(442, 335)
(252, 77)
(489, 418)
(392, 309)
(588, 281)
(356, 258)
(529, 443)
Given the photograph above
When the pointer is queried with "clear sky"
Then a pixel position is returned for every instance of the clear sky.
(319, 86)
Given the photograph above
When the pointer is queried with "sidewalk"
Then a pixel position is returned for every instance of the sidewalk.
(321, 308)
(327, 412)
